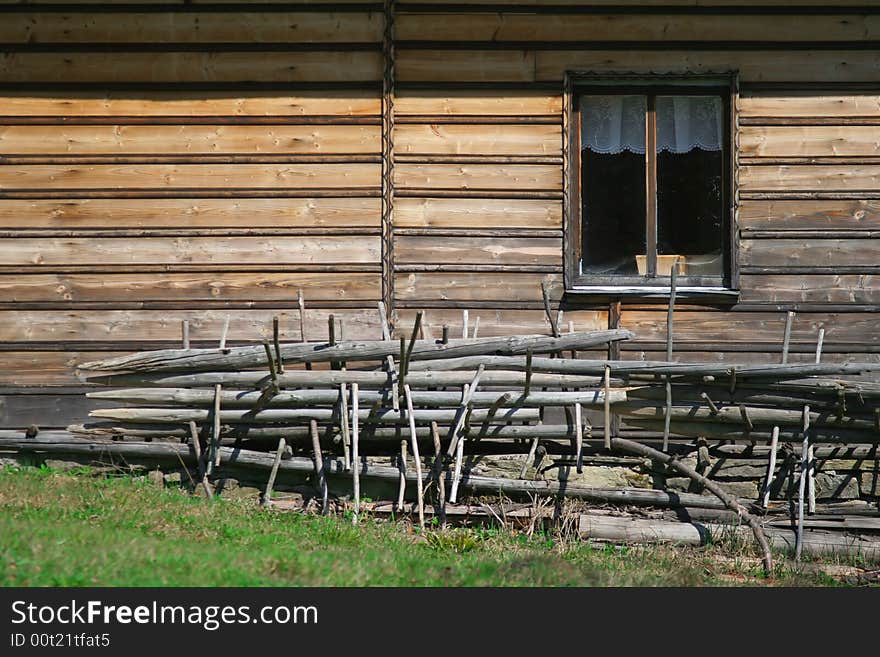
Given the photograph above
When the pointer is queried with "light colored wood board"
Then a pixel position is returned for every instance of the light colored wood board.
(476, 213)
(810, 177)
(809, 214)
(466, 65)
(202, 103)
(753, 65)
(483, 102)
(114, 213)
(478, 251)
(808, 103)
(635, 27)
(184, 287)
(500, 322)
(190, 27)
(188, 139)
(720, 326)
(810, 288)
(464, 286)
(294, 66)
(204, 325)
(50, 251)
(809, 141)
(166, 176)
(815, 252)
(453, 139)
(478, 176)
(46, 368)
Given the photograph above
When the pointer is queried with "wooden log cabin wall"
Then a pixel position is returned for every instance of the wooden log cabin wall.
(202, 160)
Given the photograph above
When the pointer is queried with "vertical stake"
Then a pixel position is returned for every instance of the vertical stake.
(355, 454)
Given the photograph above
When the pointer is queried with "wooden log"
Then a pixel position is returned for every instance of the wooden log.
(318, 464)
(194, 360)
(416, 457)
(267, 494)
(729, 431)
(307, 398)
(355, 450)
(437, 471)
(385, 416)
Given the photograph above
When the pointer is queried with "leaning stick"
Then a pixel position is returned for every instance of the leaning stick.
(267, 495)
(301, 302)
(673, 276)
(476, 330)
(811, 480)
(343, 425)
(415, 450)
(438, 473)
(729, 501)
(214, 460)
(607, 407)
(355, 454)
(184, 333)
(774, 437)
(200, 460)
(456, 474)
(223, 333)
(401, 489)
(464, 324)
(276, 330)
(467, 393)
(321, 479)
(389, 360)
(579, 438)
(805, 466)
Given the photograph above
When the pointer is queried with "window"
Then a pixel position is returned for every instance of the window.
(650, 183)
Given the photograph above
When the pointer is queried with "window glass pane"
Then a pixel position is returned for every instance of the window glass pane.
(690, 164)
(612, 183)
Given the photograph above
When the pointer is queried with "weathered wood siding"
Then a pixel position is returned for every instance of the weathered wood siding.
(204, 160)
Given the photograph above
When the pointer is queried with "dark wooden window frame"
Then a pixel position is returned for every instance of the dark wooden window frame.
(651, 85)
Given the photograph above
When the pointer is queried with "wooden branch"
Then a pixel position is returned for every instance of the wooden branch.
(267, 494)
(320, 476)
(355, 450)
(415, 450)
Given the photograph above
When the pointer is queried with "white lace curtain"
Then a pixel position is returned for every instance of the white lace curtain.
(615, 123)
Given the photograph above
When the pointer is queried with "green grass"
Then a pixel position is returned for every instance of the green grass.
(85, 530)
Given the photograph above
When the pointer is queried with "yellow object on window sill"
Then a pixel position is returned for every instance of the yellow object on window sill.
(664, 264)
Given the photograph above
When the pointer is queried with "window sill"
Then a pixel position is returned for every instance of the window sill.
(639, 292)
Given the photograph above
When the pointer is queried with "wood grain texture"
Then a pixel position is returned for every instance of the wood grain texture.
(185, 27)
(478, 176)
(188, 139)
(449, 139)
(481, 102)
(150, 176)
(634, 27)
(477, 213)
(811, 177)
(205, 325)
(809, 214)
(202, 103)
(185, 287)
(810, 253)
(808, 103)
(497, 322)
(464, 250)
(464, 286)
(811, 288)
(809, 141)
(466, 65)
(217, 250)
(192, 213)
(313, 66)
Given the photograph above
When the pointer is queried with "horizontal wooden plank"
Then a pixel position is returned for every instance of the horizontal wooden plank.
(186, 27)
(46, 368)
(227, 286)
(816, 252)
(149, 176)
(466, 65)
(465, 250)
(476, 213)
(483, 102)
(464, 286)
(313, 66)
(449, 139)
(809, 141)
(496, 322)
(188, 139)
(807, 103)
(203, 103)
(478, 176)
(218, 250)
(810, 288)
(191, 213)
(752, 65)
(809, 214)
(633, 27)
(204, 325)
(810, 177)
